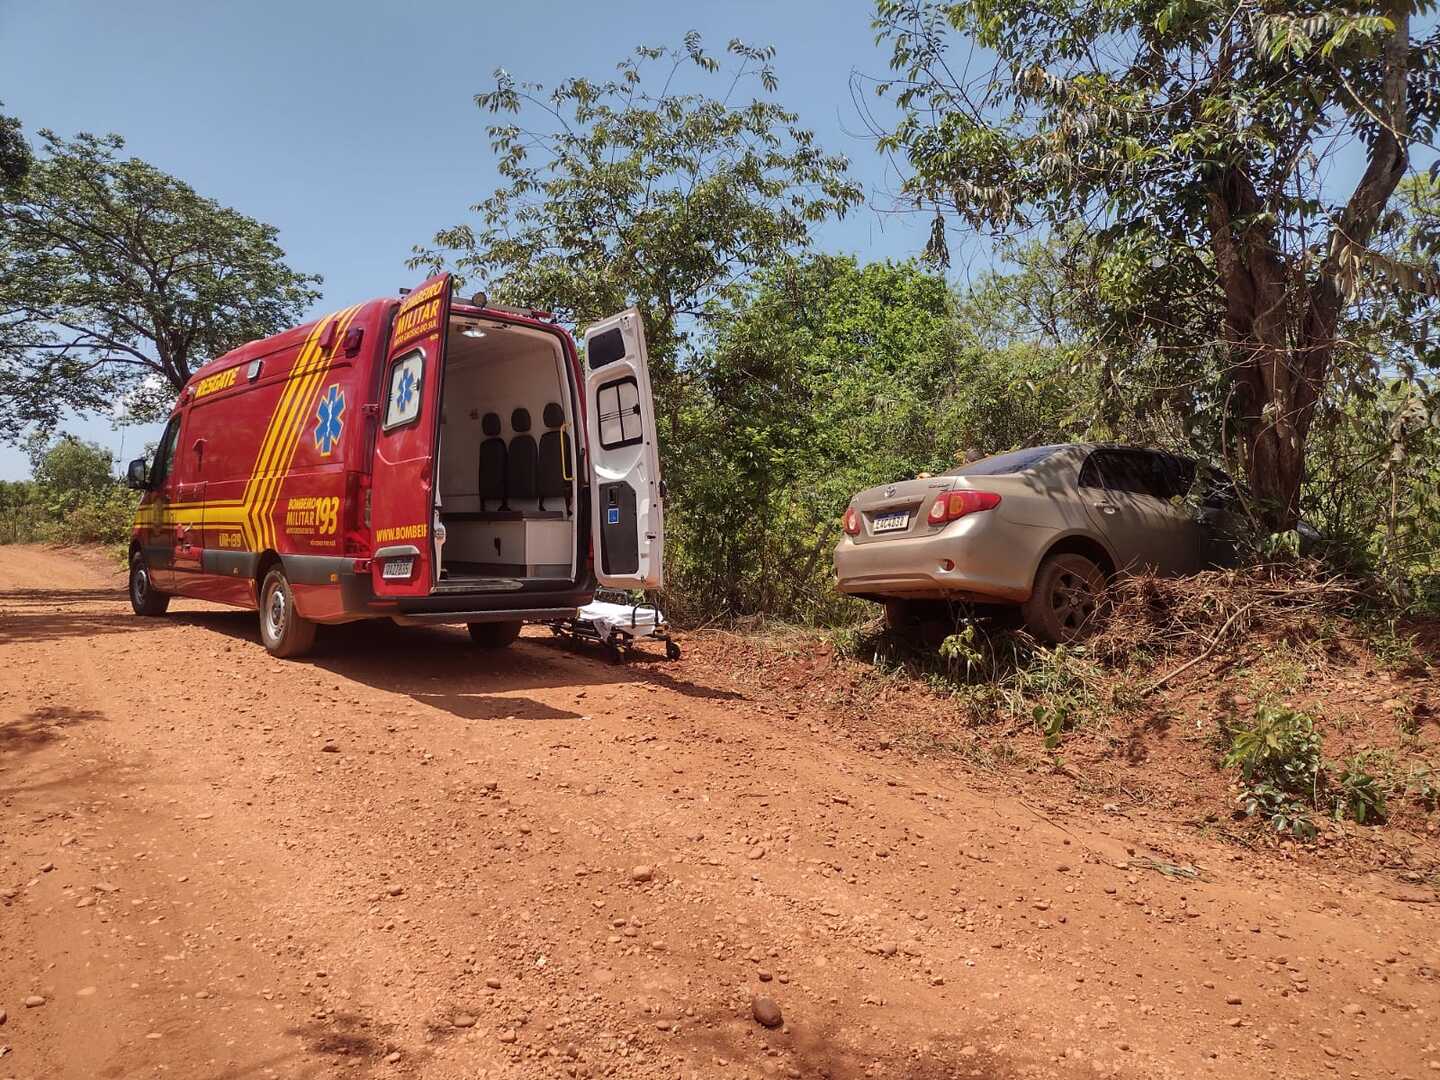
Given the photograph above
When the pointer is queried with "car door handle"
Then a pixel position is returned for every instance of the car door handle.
(1104, 507)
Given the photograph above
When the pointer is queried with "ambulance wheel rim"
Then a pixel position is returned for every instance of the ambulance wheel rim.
(275, 612)
(139, 583)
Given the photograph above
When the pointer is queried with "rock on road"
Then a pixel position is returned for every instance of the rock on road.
(404, 857)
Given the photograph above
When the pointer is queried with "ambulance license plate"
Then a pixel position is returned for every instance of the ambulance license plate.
(398, 569)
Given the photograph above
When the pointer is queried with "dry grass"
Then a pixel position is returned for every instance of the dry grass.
(1196, 615)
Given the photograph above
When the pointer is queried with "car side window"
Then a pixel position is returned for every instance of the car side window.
(1090, 473)
(1174, 475)
(165, 454)
(1125, 471)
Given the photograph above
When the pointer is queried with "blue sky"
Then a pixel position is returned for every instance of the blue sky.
(351, 126)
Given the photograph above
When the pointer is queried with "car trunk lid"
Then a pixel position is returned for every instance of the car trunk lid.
(894, 511)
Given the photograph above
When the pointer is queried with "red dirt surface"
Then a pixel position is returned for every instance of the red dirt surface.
(407, 858)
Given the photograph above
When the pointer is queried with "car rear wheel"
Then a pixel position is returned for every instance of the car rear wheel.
(921, 623)
(901, 615)
(494, 635)
(1068, 592)
(283, 631)
(145, 599)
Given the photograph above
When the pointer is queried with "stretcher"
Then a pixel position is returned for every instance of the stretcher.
(617, 627)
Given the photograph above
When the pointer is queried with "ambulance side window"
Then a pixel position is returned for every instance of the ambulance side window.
(619, 408)
(165, 455)
(402, 405)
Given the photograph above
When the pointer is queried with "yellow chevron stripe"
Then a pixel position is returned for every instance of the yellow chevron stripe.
(257, 536)
(307, 398)
(289, 438)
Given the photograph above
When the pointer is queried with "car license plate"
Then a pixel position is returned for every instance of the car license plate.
(890, 522)
(398, 569)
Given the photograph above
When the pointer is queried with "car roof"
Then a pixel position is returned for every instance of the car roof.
(1053, 455)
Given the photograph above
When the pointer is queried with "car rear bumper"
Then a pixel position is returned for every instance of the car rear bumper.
(990, 564)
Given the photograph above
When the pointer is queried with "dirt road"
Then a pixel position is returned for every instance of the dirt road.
(406, 858)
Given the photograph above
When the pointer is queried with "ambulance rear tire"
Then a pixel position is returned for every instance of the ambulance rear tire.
(494, 635)
(283, 631)
(145, 599)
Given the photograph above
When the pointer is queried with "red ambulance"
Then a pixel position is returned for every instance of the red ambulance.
(418, 458)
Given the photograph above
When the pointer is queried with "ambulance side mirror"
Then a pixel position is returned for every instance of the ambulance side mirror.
(135, 475)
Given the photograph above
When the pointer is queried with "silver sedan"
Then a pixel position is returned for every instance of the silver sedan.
(1042, 529)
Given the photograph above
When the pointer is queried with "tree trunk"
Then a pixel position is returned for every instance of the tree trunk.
(1258, 332)
(1280, 327)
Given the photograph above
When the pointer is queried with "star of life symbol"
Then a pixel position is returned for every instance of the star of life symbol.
(328, 422)
(404, 391)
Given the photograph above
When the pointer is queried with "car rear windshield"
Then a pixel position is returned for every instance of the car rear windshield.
(1013, 462)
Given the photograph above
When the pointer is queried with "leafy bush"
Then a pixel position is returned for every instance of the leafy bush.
(73, 498)
(97, 517)
(1284, 812)
(826, 378)
(1282, 747)
(1279, 758)
(1359, 792)
(1285, 774)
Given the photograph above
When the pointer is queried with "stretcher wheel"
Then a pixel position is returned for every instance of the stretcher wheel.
(672, 651)
(612, 650)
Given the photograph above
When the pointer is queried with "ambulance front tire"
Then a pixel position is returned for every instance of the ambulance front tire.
(145, 599)
(283, 631)
(493, 635)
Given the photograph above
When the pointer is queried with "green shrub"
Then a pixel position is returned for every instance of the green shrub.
(1281, 809)
(1359, 792)
(1279, 758)
(1282, 747)
(96, 517)
(1285, 775)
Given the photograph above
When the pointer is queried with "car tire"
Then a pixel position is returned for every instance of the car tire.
(1069, 590)
(494, 635)
(923, 624)
(901, 616)
(145, 599)
(283, 631)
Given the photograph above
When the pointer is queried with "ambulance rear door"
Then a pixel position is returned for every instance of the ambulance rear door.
(627, 515)
(403, 479)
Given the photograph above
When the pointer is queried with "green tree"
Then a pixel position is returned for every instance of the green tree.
(19, 511)
(1196, 141)
(14, 152)
(829, 377)
(637, 190)
(117, 281)
(1375, 480)
(68, 469)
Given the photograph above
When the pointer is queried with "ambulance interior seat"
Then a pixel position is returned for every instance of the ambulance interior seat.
(554, 465)
(494, 463)
(520, 472)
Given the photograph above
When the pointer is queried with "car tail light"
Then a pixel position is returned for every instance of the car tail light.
(956, 504)
(852, 521)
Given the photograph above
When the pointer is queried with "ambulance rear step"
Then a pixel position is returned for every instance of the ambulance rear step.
(532, 614)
